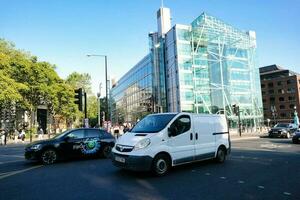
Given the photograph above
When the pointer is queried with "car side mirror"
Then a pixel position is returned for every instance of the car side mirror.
(67, 138)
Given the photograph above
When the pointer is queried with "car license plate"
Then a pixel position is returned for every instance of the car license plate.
(120, 159)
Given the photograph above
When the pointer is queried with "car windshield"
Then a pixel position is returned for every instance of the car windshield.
(61, 134)
(153, 123)
(282, 125)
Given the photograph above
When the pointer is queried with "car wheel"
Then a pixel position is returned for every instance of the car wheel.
(288, 135)
(221, 155)
(106, 152)
(49, 156)
(160, 165)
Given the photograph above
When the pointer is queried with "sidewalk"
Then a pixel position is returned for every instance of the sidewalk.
(247, 136)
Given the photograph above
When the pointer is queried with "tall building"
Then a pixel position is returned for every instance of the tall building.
(205, 67)
(280, 93)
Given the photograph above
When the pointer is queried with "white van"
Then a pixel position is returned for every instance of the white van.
(160, 141)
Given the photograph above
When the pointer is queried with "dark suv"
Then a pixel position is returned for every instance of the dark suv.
(71, 143)
(282, 130)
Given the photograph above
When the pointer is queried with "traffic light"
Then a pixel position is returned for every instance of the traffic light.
(78, 98)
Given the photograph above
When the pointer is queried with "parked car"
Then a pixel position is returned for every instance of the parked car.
(161, 141)
(71, 143)
(296, 137)
(282, 130)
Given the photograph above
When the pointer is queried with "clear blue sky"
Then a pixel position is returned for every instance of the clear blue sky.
(64, 31)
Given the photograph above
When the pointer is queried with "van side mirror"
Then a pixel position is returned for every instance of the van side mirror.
(171, 131)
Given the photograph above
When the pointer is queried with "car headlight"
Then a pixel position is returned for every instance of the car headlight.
(284, 131)
(36, 147)
(142, 144)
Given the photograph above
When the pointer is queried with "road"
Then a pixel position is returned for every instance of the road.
(259, 168)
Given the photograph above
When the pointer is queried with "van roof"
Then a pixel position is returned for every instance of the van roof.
(200, 114)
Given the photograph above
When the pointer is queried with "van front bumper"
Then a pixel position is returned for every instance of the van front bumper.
(135, 163)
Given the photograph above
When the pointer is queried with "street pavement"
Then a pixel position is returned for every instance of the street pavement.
(258, 168)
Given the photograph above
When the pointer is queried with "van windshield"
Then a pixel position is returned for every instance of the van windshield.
(152, 123)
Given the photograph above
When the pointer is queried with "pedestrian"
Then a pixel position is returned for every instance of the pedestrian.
(16, 134)
(40, 133)
(126, 129)
(22, 136)
(2, 137)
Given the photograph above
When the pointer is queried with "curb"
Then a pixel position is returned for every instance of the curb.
(245, 138)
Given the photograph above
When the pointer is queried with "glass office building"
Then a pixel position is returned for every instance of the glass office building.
(131, 97)
(205, 67)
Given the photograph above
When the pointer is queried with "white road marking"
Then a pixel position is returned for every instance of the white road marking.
(287, 193)
(193, 170)
(13, 161)
(241, 182)
(222, 177)
(261, 187)
(15, 156)
(8, 174)
(207, 174)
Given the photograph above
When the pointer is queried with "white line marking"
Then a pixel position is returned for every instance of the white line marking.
(222, 177)
(261, 187)
(16, 156)
(287, 193)
(207, 174)
(241, 182)
(193, 170)
(19, 171)
(13, 161)
(268, 150)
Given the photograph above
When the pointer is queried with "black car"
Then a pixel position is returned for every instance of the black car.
(71, 143)
(296, 137)
(282, 130)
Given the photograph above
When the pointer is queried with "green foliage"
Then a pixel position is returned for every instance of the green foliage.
(77, 80)
(30, 83)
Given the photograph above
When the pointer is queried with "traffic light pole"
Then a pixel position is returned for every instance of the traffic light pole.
(85, 106)
(239, 121)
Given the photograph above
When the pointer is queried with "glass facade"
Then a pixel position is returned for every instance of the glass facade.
(216, 68)
(205, 67)
(131, 97)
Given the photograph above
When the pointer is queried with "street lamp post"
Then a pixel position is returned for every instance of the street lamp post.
(106, 86)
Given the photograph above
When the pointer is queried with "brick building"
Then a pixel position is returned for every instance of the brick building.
(280, 93)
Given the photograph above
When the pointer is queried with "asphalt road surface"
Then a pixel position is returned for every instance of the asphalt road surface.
(260, 168)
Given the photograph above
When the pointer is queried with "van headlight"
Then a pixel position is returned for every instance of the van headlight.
(36, 147)
(142, 144)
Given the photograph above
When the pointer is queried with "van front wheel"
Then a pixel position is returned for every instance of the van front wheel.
(160, 165)
(221, 155)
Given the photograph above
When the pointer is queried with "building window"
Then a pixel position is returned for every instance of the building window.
(292, 98)
(281, 107)
(262, 85)
(270, 85)
(289, 81)
(292, 106)
(263, 92)
(264, 100)
(272, 99)
(271, 91)
(281, 98)
(281, 91)
(291, 90)
(279, 83)
(282, 115)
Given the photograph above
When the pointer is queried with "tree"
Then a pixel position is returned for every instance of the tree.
(27, 83)
(77, 80)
